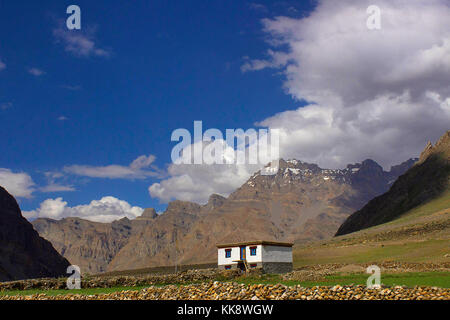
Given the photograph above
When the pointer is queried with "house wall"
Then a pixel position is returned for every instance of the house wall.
(254, 259)
(277, 254)
(236, 255)
(221, 260)
(272, 259)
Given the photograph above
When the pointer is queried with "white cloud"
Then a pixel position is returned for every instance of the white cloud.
(2, 65)
(55, 187)
(370, 91)
(80, 44)
(36, 72)
(18, 184)
(197, 182)
(106, 209)
(62, 118)
(136, 170)
(379, 94)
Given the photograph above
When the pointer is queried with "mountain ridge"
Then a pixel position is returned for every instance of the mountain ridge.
(23, 253)
(302, 202)
(427, 179)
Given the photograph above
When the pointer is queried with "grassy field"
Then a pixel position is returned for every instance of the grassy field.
(428, 209)
(419, 244)
(159, 270)
(413, 251)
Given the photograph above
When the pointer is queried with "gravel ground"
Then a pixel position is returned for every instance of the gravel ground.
(234, 291)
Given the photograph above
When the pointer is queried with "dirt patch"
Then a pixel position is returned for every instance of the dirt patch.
(351, 268)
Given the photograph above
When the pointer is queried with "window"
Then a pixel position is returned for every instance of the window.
(227, 267)
(253, 251)
(253, 265)
(227, 253)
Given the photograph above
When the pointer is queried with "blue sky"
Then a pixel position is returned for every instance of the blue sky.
(168, 64)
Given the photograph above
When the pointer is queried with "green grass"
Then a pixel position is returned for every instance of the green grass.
(409, 251)
(410, 279)
(158, 270)
(438, 204)
(88, 291)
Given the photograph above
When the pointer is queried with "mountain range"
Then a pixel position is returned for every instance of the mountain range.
(301, 203)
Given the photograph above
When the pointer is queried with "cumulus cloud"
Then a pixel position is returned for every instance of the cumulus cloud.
(136, 170)
(19, 184)
(225, 167)
(370, 93)
(36, 72)
(106, 209)
(379, 94)
(80, 43)
(197, 182)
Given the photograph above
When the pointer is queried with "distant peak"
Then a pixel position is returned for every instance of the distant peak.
(183, 206)
(370, 163)
(149, 213)
(441, 146)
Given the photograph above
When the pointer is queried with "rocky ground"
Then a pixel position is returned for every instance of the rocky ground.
(215, 284)
(124, 281)
(234, 291)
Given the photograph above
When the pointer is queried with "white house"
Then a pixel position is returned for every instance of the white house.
(272, 257)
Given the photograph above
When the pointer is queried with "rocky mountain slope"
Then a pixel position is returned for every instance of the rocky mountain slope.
(426, 180)
(302, 202)
(23, 253)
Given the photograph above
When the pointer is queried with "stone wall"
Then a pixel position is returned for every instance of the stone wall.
(266, 267)
(277, 267)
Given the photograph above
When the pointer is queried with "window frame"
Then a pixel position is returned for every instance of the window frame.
(253, 251)
(227, 253)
